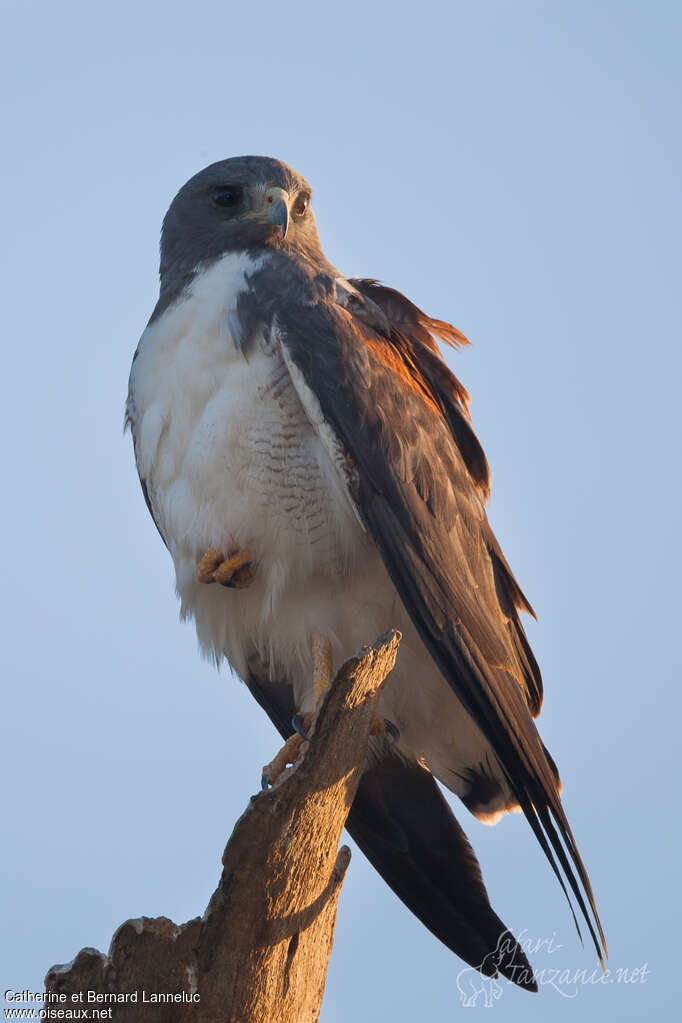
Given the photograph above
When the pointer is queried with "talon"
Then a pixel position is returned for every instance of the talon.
(392, 731)
(382, 726)
(265, 782)
(236, 570)
(301, 724)
(243, 577)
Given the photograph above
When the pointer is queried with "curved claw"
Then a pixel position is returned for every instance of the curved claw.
(392, 731)
(301, 725)
(297, 725)
(265, 782)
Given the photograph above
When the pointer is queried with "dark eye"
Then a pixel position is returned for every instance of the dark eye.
(301, 205)
(229, 195)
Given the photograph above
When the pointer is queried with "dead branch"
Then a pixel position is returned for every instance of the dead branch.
(260, 952)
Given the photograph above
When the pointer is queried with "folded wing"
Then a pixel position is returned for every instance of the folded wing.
(419, 483)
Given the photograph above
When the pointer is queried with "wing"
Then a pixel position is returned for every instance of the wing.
(419, 483)
(414, 331)
(408, 832)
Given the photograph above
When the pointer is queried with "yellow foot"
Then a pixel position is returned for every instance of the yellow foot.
(235, 570)
(321, 650)
(287, 755)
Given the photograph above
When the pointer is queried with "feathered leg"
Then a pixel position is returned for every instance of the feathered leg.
(321, 650)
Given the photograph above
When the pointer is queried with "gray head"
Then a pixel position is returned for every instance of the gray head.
(247, 203)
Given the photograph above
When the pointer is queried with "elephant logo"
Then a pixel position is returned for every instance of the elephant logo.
(474, 982)
(473, 985)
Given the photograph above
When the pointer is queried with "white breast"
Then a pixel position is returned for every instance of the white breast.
(230, 460)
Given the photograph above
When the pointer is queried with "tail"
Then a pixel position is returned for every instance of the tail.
(406, 829)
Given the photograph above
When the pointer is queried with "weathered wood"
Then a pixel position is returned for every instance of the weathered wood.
(261, 949)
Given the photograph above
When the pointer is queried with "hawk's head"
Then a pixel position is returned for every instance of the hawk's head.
(247, 203)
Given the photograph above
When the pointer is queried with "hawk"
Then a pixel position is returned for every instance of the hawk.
(309, 461)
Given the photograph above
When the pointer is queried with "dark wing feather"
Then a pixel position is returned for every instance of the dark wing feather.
(407, 831)
(421, 497)
(413, 329)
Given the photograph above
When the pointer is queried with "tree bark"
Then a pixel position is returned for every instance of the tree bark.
(260, 952)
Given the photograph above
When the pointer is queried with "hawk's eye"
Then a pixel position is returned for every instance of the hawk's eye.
(301, 205)
(228, 196)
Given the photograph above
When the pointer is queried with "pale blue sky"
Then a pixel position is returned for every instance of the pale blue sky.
(513, 167)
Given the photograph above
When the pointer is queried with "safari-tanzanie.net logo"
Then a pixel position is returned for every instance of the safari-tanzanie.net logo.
(484, 985)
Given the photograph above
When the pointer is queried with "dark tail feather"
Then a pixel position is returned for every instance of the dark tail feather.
(406, 829)
(403, 824)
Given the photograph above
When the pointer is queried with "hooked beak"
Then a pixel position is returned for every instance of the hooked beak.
(278, 208)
